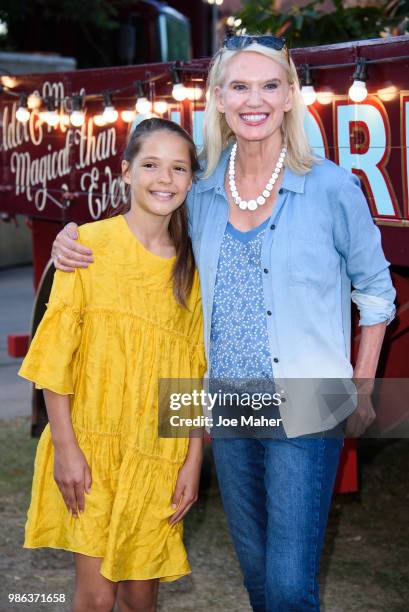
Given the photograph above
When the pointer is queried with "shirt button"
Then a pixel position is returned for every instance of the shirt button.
(265, 271)
(283, 400)
(272, 226)
(275, 359)
(269, 313)
(281, 191)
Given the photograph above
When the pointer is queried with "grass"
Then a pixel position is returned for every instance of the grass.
(365, 565)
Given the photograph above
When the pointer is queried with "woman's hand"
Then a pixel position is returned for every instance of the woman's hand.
(73, 476)
(66, 253)
(364, 414)
(186, 490)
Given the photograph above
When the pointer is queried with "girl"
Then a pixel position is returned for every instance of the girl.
(105, 486)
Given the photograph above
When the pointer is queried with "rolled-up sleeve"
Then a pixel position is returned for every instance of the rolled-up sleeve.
(358, 240)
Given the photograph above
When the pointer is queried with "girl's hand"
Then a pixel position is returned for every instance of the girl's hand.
(73, 476)
(186, 490)
(66, 253)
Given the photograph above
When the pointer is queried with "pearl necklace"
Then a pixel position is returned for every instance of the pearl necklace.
(252, 204)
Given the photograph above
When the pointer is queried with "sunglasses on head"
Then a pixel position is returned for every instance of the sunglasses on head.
(233, 43)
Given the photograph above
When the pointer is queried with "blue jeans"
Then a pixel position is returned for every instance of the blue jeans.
(276, 495)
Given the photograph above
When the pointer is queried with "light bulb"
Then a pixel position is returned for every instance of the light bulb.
(160, 107)
(34, 101)
(8, 81)
(237, 23)
(99, 120)
(309, 94)
(22, 114)
(219, 2)
(194, 93)
(325, 96)
(143, 106)
(357, 91)
(128, 116)
(52, 118)
(179, 92)
(110, 114)
(230, 21)
(77, 118)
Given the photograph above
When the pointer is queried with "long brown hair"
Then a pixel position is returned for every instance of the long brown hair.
(184, 267)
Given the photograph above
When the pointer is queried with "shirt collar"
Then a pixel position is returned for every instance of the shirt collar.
(291, 180)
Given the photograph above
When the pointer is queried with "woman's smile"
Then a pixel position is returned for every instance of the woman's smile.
(254, 118)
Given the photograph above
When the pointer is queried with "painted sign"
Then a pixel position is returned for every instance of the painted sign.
(64, 172)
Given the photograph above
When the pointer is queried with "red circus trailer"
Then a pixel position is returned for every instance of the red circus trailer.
(54, 172)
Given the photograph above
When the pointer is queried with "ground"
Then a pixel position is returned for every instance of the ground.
(365, 564)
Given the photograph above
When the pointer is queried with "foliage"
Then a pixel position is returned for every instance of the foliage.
(99, 13)
(309, 25)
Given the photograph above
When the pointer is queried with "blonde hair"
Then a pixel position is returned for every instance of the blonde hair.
(217, 133)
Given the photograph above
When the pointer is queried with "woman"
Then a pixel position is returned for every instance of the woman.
(278, 237)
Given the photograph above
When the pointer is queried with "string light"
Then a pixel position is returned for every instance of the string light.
(160, 107)
(8, 81)
(179, 91)
(357, 91)
(22, 113)
(194, 93)
(147, 106)
(325, 96)
(34, 101)
(128, 116)
(50, 116)
(77, 116)
(143, 105)
(99, 120)
(307, 90)
(110, 113)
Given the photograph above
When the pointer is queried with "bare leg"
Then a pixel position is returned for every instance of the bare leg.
(138, 595)
(93, 592)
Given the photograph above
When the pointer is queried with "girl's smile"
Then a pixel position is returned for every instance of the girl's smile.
(163, 196)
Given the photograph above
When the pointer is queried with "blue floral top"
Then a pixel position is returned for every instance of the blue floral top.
(239, 346)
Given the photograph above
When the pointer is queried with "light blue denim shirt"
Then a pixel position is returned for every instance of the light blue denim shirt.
(320, 240)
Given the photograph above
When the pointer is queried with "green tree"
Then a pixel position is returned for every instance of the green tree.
(309, 25)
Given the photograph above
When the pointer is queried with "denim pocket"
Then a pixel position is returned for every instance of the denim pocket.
(312, 260)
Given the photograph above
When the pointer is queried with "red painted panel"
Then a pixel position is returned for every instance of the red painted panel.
(59, 174)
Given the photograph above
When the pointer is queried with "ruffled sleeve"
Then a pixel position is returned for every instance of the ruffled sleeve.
(49, 361)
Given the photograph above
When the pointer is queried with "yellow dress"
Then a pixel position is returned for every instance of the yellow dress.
(109, 333)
